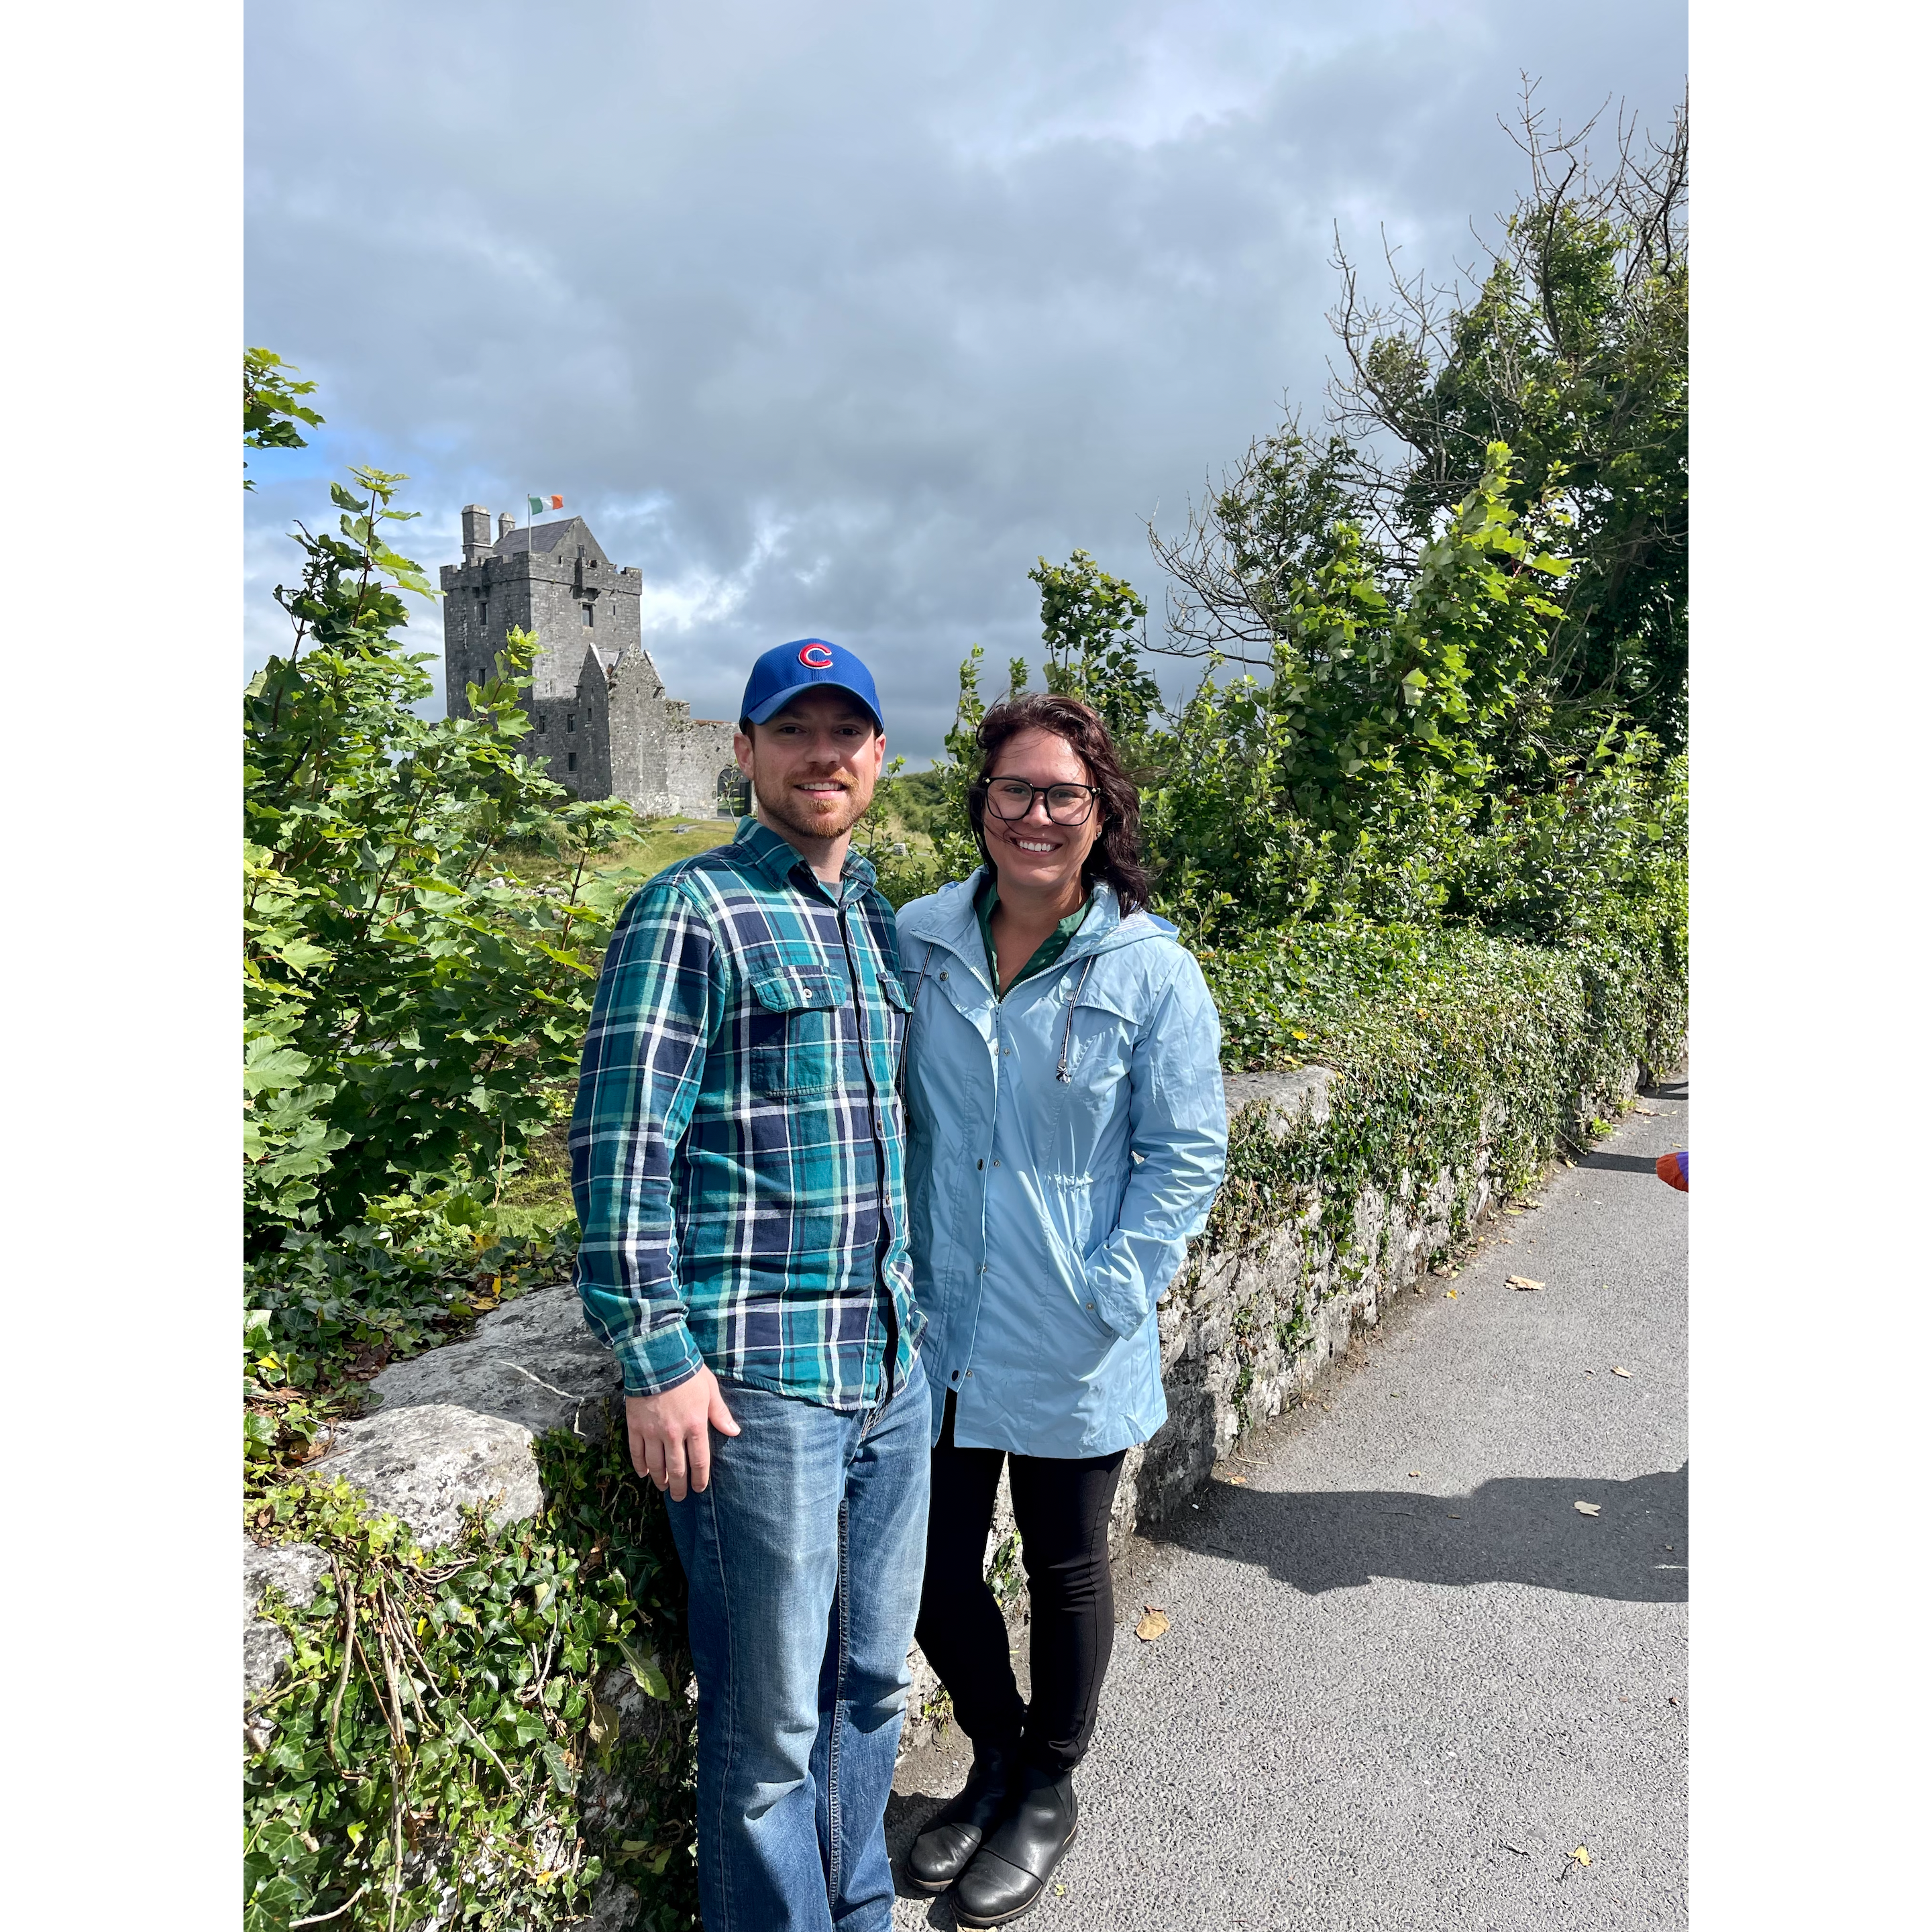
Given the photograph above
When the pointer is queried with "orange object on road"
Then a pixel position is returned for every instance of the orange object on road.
(1674, 1169)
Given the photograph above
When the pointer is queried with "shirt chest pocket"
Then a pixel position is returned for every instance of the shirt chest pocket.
(799, 1032)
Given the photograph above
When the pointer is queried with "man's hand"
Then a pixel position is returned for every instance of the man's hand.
(670, 1438)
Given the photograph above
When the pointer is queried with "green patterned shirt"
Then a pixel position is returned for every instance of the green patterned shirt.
(737, 1153)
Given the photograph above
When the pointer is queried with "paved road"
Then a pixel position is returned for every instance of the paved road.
(1406, 1677)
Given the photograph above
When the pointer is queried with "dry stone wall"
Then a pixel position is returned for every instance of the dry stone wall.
(1243, 1334)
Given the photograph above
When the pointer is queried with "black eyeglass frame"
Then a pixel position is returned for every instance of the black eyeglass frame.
(1034, 791)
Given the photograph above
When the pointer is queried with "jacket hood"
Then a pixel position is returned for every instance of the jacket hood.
(946, 918)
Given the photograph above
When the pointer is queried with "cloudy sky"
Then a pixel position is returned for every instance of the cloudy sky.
(833, 319)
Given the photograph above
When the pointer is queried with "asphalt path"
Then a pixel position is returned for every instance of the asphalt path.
(1406, 1680)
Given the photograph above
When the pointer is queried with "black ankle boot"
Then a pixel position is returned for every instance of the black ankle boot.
(941, 1852)
(1010, 1870)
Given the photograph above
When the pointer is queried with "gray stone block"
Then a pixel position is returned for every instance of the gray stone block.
(425, 1463)
(532, 1363)
(1286, 1097)
(295, 1569)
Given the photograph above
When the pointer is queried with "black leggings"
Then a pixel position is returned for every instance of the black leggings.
(1062, 1505)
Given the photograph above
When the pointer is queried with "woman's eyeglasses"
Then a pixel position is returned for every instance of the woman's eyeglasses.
(1066, 804)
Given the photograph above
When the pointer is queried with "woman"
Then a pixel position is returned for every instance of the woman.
(1067, 1132)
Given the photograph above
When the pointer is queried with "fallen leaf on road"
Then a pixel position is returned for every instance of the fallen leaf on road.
(1582, 1854)
(1624, 1372)
(1448, 1295)
(1589, 1509)
(1237, 1480)
(1415, 1472)
(1520, 1281)
(1153, 1624)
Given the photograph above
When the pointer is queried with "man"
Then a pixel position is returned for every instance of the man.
(736, 1157)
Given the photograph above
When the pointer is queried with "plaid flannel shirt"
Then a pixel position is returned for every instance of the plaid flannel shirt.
(737, 1152)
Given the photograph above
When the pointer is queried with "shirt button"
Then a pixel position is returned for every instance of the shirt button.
(969, 1375)
(942, 976)
(1090, 1308)
(996, 1163)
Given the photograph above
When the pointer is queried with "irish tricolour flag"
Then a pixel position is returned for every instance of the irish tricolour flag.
(540, 504)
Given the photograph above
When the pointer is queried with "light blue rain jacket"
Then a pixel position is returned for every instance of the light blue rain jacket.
(1048, 1215)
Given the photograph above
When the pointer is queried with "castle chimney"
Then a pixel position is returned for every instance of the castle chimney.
(506, 523)
(476, 532)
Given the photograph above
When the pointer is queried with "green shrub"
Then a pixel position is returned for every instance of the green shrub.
(1440, 1038)
(412, 1007)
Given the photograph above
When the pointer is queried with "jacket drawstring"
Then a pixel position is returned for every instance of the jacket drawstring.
(905, 1035)
(1066, 1039)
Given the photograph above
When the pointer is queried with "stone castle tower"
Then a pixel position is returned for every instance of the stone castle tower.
(599, 715)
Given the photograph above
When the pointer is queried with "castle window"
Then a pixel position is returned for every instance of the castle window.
(573, 761)
(587, 614)
(570, 725)
(543, 723)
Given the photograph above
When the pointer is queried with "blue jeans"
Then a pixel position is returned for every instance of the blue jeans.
(804, 1557)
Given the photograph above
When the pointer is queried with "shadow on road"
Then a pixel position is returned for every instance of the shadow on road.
(1516, 1529)
(1624, 1163)
(906, 1814)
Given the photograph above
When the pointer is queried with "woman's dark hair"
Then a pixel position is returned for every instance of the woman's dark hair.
(1116, 856)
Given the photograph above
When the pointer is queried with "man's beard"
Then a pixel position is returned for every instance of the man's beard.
(783, 811)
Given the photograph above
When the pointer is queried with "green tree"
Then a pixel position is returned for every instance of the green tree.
(1572, 349)
(1351, 779)
(1091, 624)
(1247, 554)
(271, 405)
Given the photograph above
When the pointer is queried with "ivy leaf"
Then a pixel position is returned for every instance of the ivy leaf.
(643, 1668)
(562, 1775)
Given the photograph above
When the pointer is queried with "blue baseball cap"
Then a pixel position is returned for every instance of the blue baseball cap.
(804, 665)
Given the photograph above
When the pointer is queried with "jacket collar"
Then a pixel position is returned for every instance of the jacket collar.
(947, 920)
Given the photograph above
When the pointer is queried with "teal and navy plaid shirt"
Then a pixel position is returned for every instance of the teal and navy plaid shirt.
(737, 1154)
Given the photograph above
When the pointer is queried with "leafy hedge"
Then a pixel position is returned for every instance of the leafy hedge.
(435, 1747)
(1442, 1039)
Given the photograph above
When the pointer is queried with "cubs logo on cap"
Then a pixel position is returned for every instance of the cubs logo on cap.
(804, 664)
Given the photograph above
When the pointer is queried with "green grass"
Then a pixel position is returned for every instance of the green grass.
(664, 844)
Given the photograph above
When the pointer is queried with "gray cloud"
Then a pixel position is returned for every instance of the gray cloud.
(833, 319)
